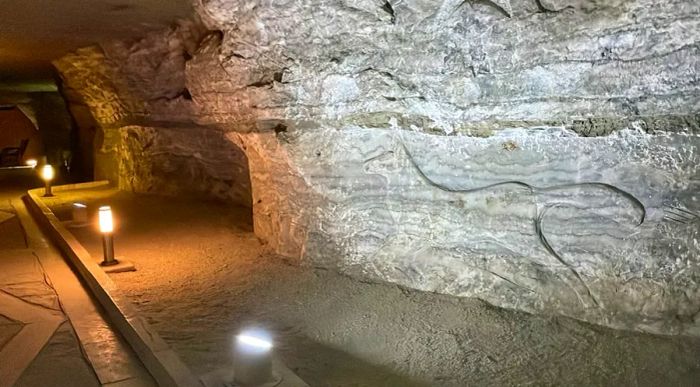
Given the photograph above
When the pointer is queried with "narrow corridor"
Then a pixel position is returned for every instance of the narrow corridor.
(51, 331)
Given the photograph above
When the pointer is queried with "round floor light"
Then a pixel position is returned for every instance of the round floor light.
(252, 359)
(79, 213)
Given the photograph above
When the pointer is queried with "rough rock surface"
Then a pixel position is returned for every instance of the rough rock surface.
(208, 277)
(541, 155)
(183, 160)
(47, 113)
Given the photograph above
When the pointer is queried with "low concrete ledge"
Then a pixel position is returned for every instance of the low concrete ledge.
(161, 361)
(69, 187)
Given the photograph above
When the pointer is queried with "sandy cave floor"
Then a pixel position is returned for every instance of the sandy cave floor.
(202, 276)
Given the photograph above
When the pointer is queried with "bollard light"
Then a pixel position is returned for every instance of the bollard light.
(31, 162)
(47, 174)
(252, 359)
(80, 214)
(106, 221)
(107, 229)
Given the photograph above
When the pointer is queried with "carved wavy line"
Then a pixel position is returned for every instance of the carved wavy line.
(538, 215)
(550, 249)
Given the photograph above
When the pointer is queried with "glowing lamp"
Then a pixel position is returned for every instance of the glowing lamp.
(252, 359)
(254, 342)
(107, 229)
(47, 174)
(31, 162)
(105, 218)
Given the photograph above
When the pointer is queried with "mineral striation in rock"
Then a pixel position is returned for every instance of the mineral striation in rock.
(540, 155)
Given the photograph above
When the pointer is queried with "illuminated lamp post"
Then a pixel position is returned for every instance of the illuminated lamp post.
(109, 263)
(107, 230)
(252, 360)
(47, 174)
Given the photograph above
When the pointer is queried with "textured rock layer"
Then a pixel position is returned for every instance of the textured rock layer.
(541, 155)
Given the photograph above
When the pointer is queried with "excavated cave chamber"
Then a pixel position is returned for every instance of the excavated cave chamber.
(542, 156)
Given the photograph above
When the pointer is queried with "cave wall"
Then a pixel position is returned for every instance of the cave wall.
(15, 126)
(55, 126)
(130, 100)
(46, 112)
(173, 161)
(540, 155)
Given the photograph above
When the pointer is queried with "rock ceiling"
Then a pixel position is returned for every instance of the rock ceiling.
(33, 33)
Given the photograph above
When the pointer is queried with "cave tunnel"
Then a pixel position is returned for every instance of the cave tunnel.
(19, 133)
(349, 193)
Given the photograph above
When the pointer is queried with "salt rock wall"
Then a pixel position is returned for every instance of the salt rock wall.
(180, 161)
(131, 103)
(540, 155)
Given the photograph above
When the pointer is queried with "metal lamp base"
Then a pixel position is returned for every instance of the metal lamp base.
(117, 266)
(282, 376)
(75, 224)
(226, 378)
(109, 263)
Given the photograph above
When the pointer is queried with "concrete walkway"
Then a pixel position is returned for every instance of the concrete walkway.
(51, 331)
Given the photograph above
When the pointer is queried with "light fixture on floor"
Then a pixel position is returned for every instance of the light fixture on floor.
(79, 216)
(252, 359)
(109, 263)
(254, 365)
(107, 230)
(47, 174)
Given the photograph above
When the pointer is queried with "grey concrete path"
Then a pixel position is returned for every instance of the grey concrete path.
(51, 331)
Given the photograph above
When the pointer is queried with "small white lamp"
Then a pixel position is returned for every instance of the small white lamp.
(252, 359)
(80, 214)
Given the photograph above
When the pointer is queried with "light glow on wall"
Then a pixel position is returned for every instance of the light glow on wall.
(31, 162)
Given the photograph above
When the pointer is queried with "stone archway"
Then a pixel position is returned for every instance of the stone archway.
(15, 126)
(196, 161)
